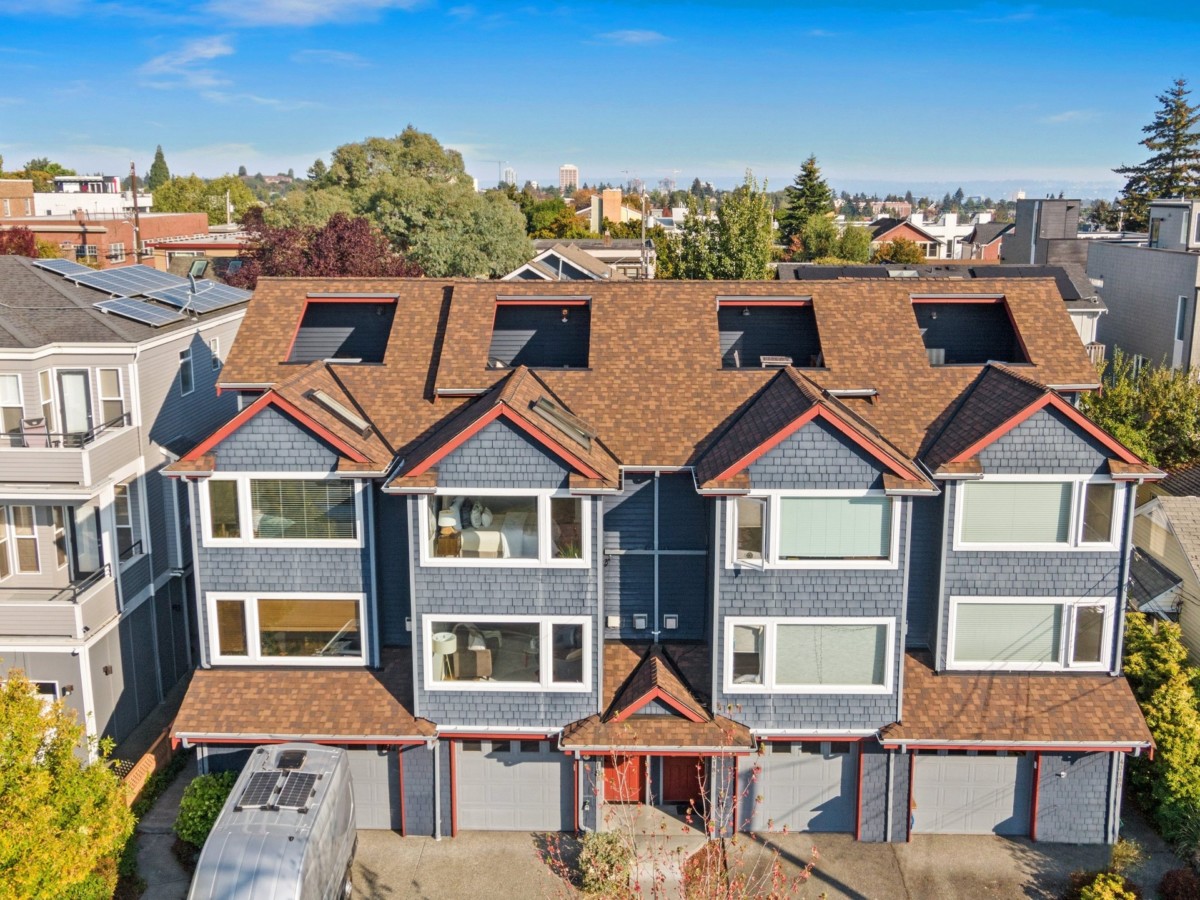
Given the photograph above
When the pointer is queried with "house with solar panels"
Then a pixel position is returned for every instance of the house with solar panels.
(105, 377)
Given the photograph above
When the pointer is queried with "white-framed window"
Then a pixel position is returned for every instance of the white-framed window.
(507, 653)
(1031, 633)
(817, 655)
(187, 379)
(129, 539)
(46, 398)
(24, 530)
(116, 251)
(814, 530)
(5, 548)
(214, 352)
(88, 252)
(1029, 512)
(58, 515)
(287, 628)
(112, 398)
(285, 509)
(12, 406)
(494, 527)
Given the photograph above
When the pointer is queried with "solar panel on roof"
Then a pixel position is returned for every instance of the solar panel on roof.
(129, 280)
(260, 791)
(297, 791)
(62, 266)
(139, 311)
(209, 296)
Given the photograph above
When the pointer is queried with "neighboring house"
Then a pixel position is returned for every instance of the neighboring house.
(108, 242)
(564, 262)
(609, 205)
(984, 240)
(884, 231)
(950, 232)
(1151, 287)
(99, 196)
(625, 256)
(95, 547)
(16, 198)
(213, 255)
(532, 550)
(1166, 537)
(1079, 296)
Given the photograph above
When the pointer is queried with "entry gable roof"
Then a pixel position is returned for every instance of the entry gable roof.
(787, 403)
(655, 678)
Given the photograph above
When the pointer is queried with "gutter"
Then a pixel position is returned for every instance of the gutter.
(1134, 747)
(657, 751)
(191, 739)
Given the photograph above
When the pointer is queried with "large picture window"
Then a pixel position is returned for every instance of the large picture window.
(279, 510)
(287, 628)
(814, 530)
(508, 653)
(1061, 514)
(797, 655)
(497, 529)
(1019, 633)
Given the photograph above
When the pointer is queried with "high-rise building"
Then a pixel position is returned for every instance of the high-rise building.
(510, 175)
(568, 178)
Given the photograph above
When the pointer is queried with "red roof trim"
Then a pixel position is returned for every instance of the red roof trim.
(657, 693)
(270, 398)
(500, 302)
(842, 426)
(733, 303)
(496, 412)
(1056, 402)
(349, 298)
(972, 300)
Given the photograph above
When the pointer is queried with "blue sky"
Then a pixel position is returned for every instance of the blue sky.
(992, 96)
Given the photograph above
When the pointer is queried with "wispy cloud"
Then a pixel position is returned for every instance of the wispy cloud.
(182, 67)
(463, 13)
(302, 13)
(330, 58)
(1068, 116)
(820, 33)
(280, 103)
(633, 37)
(1027, 14)
(11, 101)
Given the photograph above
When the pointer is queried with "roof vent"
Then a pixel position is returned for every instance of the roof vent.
(341, 411)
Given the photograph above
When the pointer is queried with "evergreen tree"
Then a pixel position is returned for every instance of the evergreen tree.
(159, 173)
(808, 195)
(1174, 168)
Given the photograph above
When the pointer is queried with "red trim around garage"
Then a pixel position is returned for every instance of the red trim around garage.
(453, 790)
(400, 779)
(575, 789)
(1033, 805)
(859, 799)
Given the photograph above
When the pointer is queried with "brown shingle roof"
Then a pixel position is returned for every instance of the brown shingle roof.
(996, 396)
(654, 390)
(1037, 708)
(303, 703)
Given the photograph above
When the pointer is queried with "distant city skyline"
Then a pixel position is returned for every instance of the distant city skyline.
(927, 97)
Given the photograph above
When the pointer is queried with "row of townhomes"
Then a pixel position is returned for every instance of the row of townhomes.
(101, 385)
(530, 551)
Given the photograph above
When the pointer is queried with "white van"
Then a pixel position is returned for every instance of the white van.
(286, 832)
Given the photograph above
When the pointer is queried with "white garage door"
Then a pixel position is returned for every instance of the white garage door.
(808, 787)
(987, 793)
(375, 776)
(513, 786)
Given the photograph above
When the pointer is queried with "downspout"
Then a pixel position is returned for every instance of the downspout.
(1113, 826)
(716, 639)
(948, 499)
(891, 787)
(601, 559)
(1123, 574)
(655, 631)
(414, 627)
(907, 507)
(193, 503)
(368, 488)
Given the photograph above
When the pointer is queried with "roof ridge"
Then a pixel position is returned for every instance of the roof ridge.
(1003, 368)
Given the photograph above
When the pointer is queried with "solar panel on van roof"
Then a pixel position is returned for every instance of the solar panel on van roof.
(297, 791)
(260, 791)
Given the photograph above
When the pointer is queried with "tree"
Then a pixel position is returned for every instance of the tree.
(65, 819)
(819, 238)
(901, 251)
(194, 194)
(41, 171)
(744, 233)
(343, 247)
(241, 171)
(317, 171)
(159, 174)
(1173, 169)
(1154, 412)
(307, 207)
(1105, 216)
(808, 195)
(18, 242)
(855, 244)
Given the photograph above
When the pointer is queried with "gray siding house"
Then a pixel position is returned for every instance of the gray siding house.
(95, 547)
(820, 555)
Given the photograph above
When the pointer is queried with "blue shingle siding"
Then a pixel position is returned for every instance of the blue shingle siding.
(817, 457)
(924, 564)
(1047, 444)
(476, 592)
(417, 774)
(391, 562)
(977, 573)
(1074, 797)
(446, 794)
(901, 810)
(874, 762)
(271, 442)
(812, 592)
(500, 457)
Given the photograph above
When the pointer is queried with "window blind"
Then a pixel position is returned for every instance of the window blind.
(830, 654)
(835, 527)
(1008, 632)
(1016, 512)
(302, 508)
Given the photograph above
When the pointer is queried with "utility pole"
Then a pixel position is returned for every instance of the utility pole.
(137, 221)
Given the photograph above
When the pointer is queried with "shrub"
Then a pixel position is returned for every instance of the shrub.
(1126, 856)
(605, 865)
(200, 806)
(1180, 884)
(1107, 886)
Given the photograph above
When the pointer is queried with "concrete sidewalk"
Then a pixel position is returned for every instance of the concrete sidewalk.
(165, 878)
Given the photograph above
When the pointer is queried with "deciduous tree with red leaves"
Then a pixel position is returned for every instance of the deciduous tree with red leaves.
(344, 247)
(18, 242)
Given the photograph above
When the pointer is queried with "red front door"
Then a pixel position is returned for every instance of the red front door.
(682, 778)
(624, 779)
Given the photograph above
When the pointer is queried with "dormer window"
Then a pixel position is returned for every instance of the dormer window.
(969, 330)
(541, 333)
(768, 332)
(343, 328)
